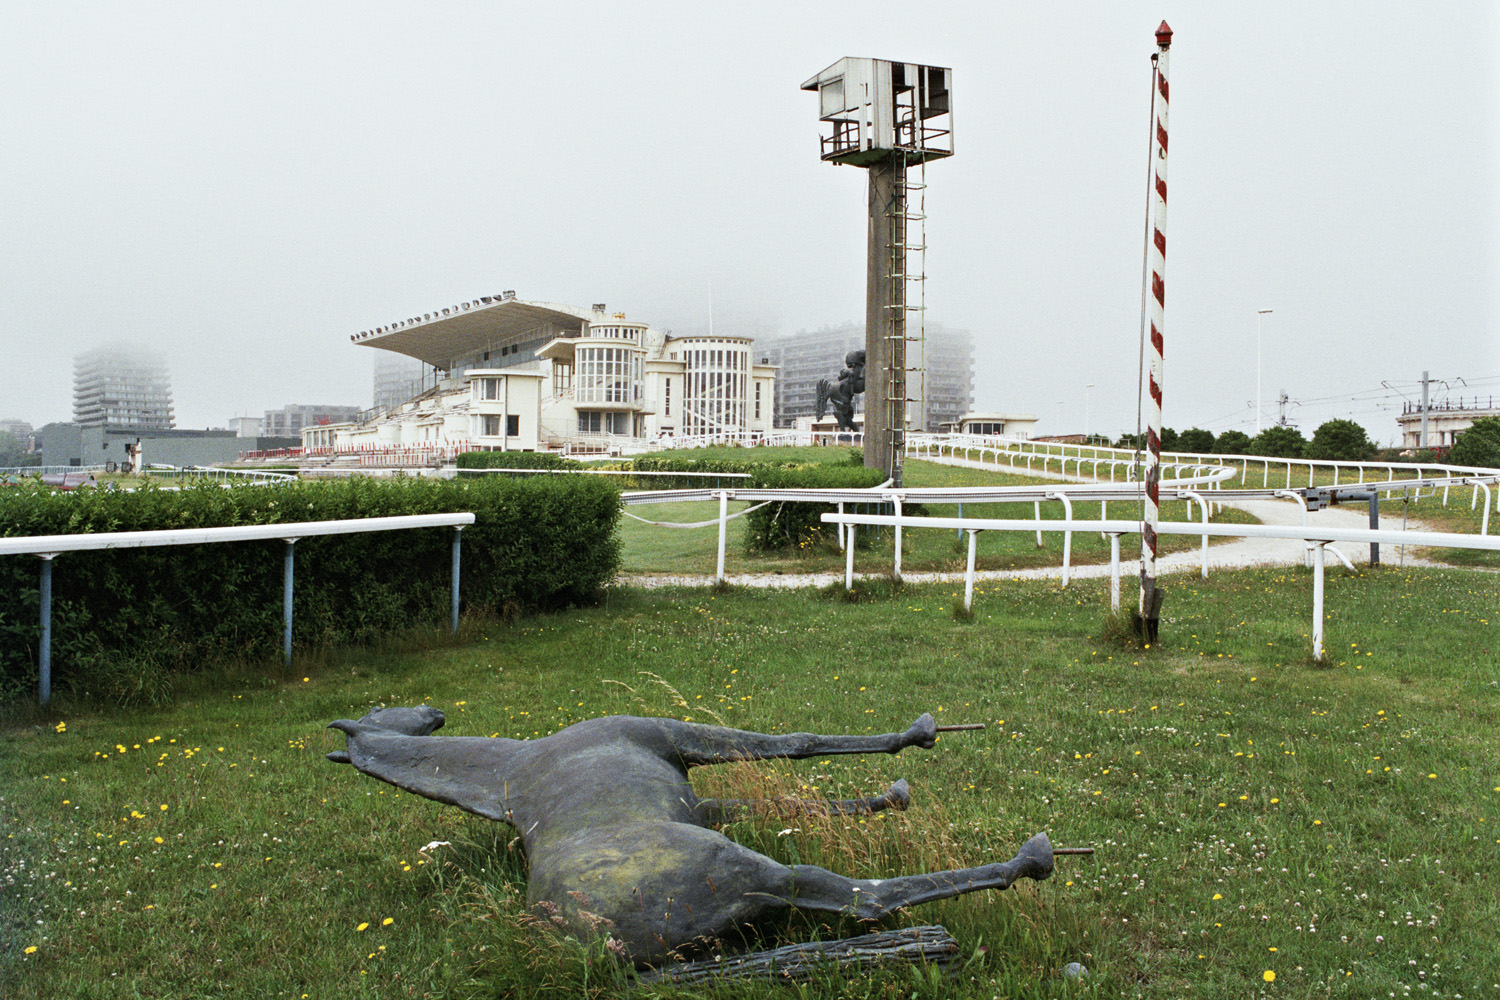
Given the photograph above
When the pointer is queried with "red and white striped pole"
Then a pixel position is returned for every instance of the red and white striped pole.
(1156, 253)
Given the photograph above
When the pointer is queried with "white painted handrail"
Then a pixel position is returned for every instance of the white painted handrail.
(1319, 537)
(48, 547)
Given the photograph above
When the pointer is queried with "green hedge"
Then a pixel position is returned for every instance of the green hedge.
(124, 621)
(789, 525)
(515, 460)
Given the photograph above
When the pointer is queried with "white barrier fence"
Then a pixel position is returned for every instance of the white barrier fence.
(48, 547)
(1318, 537)
(1027, 457)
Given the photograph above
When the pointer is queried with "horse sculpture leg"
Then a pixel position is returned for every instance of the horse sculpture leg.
(697, 745)
(871, 899)
(717, 811)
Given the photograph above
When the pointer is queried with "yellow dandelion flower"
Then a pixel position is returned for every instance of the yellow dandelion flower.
(388, 921)
(362, 926)
(1268, 976)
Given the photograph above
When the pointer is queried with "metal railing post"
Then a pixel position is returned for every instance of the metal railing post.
(1318, 600)
(723, 532)
(849, 558)
(286, 603)
(1202, 506)
(896, 570)
(457, 536)
(44, 652)
(1114, 572)
(969, 573)
(1067, 536)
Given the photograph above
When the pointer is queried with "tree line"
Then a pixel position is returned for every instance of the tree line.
(1333, 441)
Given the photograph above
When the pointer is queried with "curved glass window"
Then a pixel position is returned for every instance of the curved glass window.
(607, 375)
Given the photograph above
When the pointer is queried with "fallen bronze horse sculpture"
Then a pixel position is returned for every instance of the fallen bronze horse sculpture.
(612, 828)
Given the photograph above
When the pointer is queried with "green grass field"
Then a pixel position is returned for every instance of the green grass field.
(1264, 826)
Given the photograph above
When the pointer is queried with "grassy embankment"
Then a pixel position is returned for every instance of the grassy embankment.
(1337, 828)
(653, 550)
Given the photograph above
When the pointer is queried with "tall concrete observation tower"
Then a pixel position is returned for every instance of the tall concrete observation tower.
(889, 117)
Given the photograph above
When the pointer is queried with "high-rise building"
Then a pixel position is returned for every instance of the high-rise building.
(121, 386)
(288, 421)
(947, 378)
(399, 378)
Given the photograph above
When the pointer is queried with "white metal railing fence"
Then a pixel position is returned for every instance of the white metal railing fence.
(1026, 456)
(49, 470)
(1201, 486)
(1318, 537)
(214, 474)
(49, 547)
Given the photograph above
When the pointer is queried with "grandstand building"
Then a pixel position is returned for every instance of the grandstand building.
(1446, 420)
(520, 375)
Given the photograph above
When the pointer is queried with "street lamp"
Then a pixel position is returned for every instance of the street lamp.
(1260, 320)
(1086, 410)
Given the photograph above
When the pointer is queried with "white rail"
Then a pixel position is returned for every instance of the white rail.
(48, 547)
(1318, 537)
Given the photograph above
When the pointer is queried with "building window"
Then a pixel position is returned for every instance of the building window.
(491, 425)
(588, 422)
(668, 409)
(757, 401)
(513, 425)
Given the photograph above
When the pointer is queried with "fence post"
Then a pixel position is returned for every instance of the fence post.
(44, 652)
(897, 565)
(1114, 572)
(849, 559)
(1067, 536)
(1318, 601)
(457, 535)
(723, 531)
(286, 603)
(969, 573)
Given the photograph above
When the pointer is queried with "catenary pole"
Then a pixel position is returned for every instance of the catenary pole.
(1156, 252)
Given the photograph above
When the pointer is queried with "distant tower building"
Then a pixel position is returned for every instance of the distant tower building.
(945, 390)
(397, 379)
(803, 358)
(123, 387)
(807, 356)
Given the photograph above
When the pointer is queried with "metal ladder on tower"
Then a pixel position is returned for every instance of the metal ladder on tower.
(908, 277)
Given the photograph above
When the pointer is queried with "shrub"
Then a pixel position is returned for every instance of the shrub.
(1278, 442)
(1196, 440)
(515, 460)
(1479, 445)
(783, 525)
(1232, 443)
(1339, 441)
(535, 544)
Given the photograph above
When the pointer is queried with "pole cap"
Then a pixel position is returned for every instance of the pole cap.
(1164, 35)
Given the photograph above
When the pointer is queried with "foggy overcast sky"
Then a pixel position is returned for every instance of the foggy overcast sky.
(244, 186)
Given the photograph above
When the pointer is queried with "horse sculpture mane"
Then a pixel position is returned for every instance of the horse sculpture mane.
(617, 842)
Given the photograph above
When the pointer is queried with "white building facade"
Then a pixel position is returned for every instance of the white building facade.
(527, 376)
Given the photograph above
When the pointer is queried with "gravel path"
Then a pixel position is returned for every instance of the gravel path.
(1230, 555)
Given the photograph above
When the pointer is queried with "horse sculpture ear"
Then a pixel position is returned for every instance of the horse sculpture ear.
(419, 720)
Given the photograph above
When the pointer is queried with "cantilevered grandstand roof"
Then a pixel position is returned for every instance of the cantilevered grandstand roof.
(439, 337)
